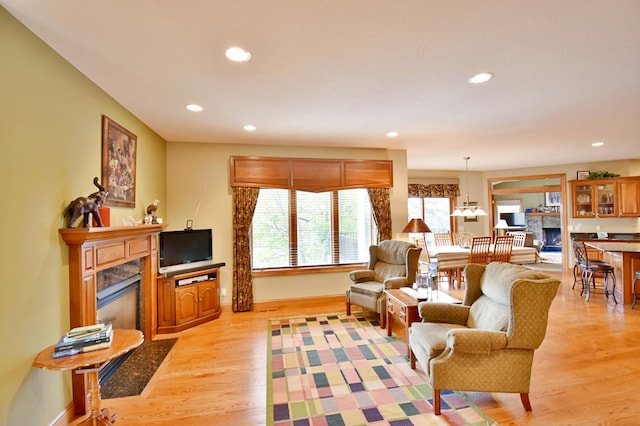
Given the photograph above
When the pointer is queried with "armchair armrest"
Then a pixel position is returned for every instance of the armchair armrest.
(443, 312)
(362, 275)
(395, 282)
(475, 341)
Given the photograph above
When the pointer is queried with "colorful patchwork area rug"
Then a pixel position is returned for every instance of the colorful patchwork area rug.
(344, 370)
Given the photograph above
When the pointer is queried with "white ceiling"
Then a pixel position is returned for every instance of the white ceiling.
(346, 72)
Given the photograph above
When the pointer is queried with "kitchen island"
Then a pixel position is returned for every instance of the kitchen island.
(625, 258)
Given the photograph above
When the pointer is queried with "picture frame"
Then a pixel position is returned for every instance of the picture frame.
(119, 149)
(582, 174)
(552, 199)
(471, 218)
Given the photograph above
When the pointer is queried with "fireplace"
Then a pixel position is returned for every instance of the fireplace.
(552, 239)
(92, 252)
(118, 304)
(118, 295)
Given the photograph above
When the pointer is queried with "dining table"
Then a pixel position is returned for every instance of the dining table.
(452, 259)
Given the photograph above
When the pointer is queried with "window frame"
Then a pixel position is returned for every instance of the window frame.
(335, 266)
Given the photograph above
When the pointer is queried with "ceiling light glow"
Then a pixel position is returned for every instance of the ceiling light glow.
(597, 144)
(483, 77)
(393, 134)
(194, 107)
(237, 54)
(249, 127)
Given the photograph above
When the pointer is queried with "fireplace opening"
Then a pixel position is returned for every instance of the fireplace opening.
(552, 239)
(118, 303)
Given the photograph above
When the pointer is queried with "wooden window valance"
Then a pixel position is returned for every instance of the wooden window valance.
(417, 190)
(308, 174)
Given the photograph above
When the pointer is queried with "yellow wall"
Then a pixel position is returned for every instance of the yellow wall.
(198, 189)
(50, 150)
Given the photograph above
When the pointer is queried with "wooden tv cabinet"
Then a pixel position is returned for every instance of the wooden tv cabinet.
(188, 299)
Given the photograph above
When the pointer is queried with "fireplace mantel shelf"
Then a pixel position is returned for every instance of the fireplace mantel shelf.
(85, 235)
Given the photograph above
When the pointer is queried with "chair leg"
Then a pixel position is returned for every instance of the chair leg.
(524, 397)
(412, 359)
(612, 292)
(436, 401)
(348, 307)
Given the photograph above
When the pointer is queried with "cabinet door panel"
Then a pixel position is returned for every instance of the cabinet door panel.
(186, 304)
(208, 298)
(629, 195)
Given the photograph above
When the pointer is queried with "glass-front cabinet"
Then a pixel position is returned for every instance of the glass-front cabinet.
(594, 198)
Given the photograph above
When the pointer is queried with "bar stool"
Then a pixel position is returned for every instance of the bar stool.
(635, 291)
(589, 271)
(580, 258)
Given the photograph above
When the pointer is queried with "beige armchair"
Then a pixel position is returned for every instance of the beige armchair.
(392, 264)
(485, 344)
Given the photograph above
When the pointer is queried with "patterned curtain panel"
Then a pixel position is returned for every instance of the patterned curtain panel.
(244, 204)
(418, 190)
(381, 205)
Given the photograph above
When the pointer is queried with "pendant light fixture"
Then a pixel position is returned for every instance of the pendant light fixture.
(467, 210)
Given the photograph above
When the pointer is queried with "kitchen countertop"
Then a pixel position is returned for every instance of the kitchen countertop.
(612, 236)
(616, 247)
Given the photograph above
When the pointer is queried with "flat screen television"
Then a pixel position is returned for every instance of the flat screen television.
(185, 250)
(514, 219)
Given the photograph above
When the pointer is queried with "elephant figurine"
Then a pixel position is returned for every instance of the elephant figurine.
(86, 206)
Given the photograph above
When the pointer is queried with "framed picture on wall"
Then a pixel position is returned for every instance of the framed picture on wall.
(583, 174)
(552, 199)
(471, 218)
(118, 164)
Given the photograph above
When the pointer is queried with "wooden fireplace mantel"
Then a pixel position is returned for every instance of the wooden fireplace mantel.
(92, 250)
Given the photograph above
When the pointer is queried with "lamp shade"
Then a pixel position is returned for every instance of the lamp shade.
(502, 224)
(416, 226)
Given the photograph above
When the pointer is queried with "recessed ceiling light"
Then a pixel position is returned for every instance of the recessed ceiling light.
(237, 54)
(597, 144)
(393, 134)
(249, 127)
(483, 77)
(194, 107)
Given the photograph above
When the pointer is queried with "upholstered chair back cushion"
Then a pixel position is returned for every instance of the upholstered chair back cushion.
(389, 259)
(492, 309)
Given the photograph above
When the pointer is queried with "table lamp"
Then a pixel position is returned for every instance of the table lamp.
(417, 226)
(502, 226)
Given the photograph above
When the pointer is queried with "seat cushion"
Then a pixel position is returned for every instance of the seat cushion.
(428, 339)
(371, 289)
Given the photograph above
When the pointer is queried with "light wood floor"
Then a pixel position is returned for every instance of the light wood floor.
(587, 371)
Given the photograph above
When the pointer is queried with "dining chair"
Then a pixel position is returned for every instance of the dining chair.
(480, 249)
(518, 238)
(502, 247)
(442, 238)
(462, 239)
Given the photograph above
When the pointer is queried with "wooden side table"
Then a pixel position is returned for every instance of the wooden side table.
(404, 309)
(89, 364)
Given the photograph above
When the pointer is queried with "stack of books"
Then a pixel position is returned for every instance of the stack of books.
(84, 339)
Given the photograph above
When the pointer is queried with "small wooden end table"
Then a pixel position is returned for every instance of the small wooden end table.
(90, 363)
(404, 309)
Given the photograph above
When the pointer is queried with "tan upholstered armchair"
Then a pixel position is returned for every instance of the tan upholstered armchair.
(487, 343)
(392, 264)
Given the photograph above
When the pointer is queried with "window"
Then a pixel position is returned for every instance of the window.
(300, 229)
(436, 212)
